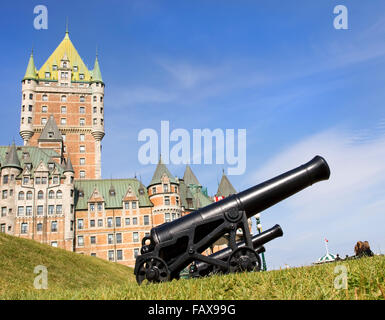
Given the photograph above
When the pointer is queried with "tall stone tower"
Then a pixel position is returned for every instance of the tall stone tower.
(63, 90)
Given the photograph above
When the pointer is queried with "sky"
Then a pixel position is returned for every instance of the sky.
(278, 69)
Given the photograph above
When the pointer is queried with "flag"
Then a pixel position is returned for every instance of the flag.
(326, 240)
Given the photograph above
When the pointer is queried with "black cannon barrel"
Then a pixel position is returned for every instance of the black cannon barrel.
(252, 200)
(258, 241)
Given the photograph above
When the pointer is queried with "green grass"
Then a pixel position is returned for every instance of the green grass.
(74, 276)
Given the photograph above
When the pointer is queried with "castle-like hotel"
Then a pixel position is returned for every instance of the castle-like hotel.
(51, 187)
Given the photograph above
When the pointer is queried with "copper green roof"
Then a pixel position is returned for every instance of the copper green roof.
(86, 187)
(225, 187)
(193, 192)
(189, 177)
(96, 75)
(160, 170)
(31, 155)
(51, 132)
(30, 73)
(11, 159)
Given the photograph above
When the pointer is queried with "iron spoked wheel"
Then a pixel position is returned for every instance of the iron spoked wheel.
(244, 259)
(153, 270)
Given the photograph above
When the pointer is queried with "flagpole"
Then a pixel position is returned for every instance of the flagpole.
(326, 245)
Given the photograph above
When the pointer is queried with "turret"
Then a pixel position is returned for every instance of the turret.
(29, 83)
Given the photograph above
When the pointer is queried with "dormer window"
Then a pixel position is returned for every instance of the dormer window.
(64, 75)
(50, 134)
(81, 76)
(112, 192)
(51, 166)
(64, 64)
(75, 68)
(81, 194)
(47, 75)
(54, 67)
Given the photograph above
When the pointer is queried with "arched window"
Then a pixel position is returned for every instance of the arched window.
(63, 99)
(21, 195)
(40, 195)
(82, 99)
(59, 194)
(51, 194)
(29, 195)
(45, 97)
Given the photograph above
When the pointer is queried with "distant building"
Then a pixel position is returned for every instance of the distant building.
(51, 187)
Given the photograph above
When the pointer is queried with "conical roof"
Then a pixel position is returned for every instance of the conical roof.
(30, 73)
(12, 159)
(68, 167)
(160, 170)
(326, 258)
(96, 74)
(51, 131)
(225, 187)
(189, 177)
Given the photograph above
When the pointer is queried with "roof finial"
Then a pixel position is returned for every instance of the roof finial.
(67, 25)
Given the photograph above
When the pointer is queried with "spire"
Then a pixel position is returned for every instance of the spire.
(189, 177)
(96, 74)
(67, 33)
(225, 187)
(51, 132)
(68, 167)
(11, 159)
(30, 73)
(160, 170)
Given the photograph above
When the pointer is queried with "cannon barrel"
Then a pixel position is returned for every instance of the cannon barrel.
(258, 241)
(252, 200)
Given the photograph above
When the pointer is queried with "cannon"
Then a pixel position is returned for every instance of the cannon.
(201, 269)
(173, 246)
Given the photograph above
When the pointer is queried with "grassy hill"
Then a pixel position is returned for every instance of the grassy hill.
(74, 276)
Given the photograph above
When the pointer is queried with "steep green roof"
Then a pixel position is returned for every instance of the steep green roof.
(103, 186)
(11, 158)
(68, 166)
(160, 170)
(32, 155)
(51, 131)
(96, 75)
(189, 177)
(30, 73)
(225, 187)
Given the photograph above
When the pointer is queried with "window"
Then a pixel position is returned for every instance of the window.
(93, 239)
(81, 76)
(24, 228)
(82, 99)
(3, 211)
(30, 96)
(135, 221)
(5, 194)
(94, 98)
(165, 188)
(55, 180)
(93, 254)
(80, 241)
(2, 228)
(95, 109)
(82, 122)
(54, 67)
(110, 239)
(146, 220)
(82, 110)
(29, 120)
(54, 244)
(51, 194)
(45, 97)
(59, 194)
(95, 121)
(80, 224)
(135, 237)
(109, 222)
(63, 99)
(63, 109)
(177, 201)
(54, 226)
(167, 201)
(20, 211)
(39, 227)
(59, 209)
(37, 180)
(118, 221)
(39, 210)
(82, 174)
(92, 206)
(118, 238)
(100, 223)
(82, 137)
(173, 216)
(167, 217)
(21, 195)
(127, 205)
(64, 64)
(40, 195)
(75, 68)
(47, 75)
(119, 254)
(44, 180)
(100, 206)
(51, 209)
(64, 137)
(5, 179)
(82, 161)
(136, 252)
(82, 149)
(63, 121)
(127, 221)
(153, 190)
(176, 189)
(29, 195)
(133, 205)
(44, 109)
(111, 255)
(92, 223)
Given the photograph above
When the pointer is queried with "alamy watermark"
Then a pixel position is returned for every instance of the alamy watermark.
(341, 281)
(341, 20)
(41, 280)
(191, 150)
(41, 19)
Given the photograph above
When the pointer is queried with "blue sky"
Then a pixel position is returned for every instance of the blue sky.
(278, 69)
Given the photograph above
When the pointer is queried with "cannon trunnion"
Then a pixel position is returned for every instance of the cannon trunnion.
(173, 246)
